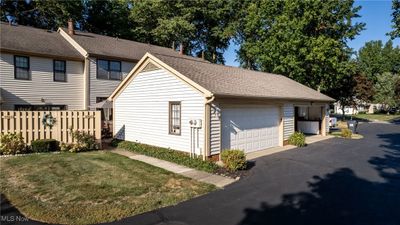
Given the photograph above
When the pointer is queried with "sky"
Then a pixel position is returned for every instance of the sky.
(376, 15)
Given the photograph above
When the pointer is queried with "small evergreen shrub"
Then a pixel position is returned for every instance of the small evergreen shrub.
(45, 145)
(115, 142)
(298, 139)
(12, 143)
(234, 159)
(346, 133)
(170, 155)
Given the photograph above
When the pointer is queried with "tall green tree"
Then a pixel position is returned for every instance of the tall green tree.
(49, 14)
(385, 89)
(304, 40)
(108, 17)
(396, 19)
(374, 58)
(201, 26)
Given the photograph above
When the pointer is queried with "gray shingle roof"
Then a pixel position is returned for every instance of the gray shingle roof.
(26, 39)
(237, 82)
(107, 46)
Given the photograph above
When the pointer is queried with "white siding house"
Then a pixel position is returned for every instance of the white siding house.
(101, 88)
(142, 110)
(41, 88)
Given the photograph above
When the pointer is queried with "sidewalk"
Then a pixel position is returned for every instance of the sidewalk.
(202, 176)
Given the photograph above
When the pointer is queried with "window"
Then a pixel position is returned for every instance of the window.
(59, 69)
(108, 70)
(21, 68)
(175, 118)
(39, 107)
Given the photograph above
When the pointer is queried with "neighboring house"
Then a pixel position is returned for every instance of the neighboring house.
(361, 107)
(64, 69)
(39, 70)
(188, 104)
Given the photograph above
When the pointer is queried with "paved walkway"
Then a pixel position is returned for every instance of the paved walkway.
(219, 181)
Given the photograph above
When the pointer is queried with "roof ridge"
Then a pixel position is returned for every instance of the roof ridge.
(234, 67)
(118, 38)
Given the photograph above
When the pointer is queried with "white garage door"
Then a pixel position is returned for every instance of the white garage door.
(250, 128)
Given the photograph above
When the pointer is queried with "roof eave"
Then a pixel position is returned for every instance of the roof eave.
(53, 56)
(274, 98)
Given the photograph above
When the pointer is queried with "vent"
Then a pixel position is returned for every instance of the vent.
(150, 67)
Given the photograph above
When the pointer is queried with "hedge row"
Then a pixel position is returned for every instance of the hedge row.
(177, 157)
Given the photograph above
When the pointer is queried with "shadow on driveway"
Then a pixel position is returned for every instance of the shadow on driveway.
(341, 197)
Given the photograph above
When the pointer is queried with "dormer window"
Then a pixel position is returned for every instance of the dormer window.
(108, 69)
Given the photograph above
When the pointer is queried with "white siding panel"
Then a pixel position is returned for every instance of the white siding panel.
(104, 88)
(215, 130)
(141, 110)
(41, 85)
(288, 121)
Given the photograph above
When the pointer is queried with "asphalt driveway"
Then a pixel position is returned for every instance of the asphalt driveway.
(333, 182)
(336, 181)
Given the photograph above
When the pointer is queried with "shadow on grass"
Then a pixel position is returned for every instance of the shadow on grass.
(341, 197)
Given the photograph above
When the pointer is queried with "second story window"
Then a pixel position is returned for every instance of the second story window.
(21, 68)
(108, 69)
(59, 70)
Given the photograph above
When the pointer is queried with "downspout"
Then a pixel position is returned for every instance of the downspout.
(207, 118)
(86, 84)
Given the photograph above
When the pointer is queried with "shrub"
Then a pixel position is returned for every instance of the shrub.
(298, 139)
(115, 142)
(170, 155)
(64, 147)
(11, 144)
(346, 133)
(45, 145)
(234, 159)
(84, 142)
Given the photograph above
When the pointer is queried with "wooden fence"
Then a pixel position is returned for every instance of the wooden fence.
(29, 124)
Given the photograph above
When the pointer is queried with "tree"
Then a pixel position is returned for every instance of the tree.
(201, 26)
(49, 14)
(396, 19)
(109, 17)
(385, 89)
(375, 58)
(304, 40)
(363, 89)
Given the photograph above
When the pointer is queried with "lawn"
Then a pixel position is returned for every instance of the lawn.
(90, 187)
(380, 117)
(371, 117)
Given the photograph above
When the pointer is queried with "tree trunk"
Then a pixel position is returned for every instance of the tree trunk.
(343, 115)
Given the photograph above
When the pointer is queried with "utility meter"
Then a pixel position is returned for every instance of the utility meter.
(195, 123)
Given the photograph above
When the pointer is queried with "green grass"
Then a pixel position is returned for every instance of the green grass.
(170, 155)
(90, 187)
(380, 117)
(371, 117)
(353, 136)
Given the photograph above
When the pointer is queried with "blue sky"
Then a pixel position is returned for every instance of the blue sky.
(376, 15)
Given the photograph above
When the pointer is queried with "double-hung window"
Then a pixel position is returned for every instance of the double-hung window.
(175, 118)
(59, 71)
(21, 68)
(108, 69)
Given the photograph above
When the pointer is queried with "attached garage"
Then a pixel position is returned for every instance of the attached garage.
(250, 128)
(214, 107)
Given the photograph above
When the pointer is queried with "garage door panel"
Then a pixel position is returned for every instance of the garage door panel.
(250, 128)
